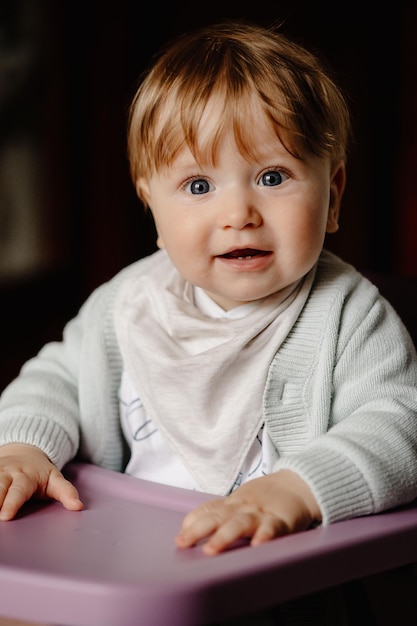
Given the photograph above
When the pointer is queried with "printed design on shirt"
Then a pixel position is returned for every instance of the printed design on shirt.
(141, 427)
(261, 458)
(237, 482)
(256, 463)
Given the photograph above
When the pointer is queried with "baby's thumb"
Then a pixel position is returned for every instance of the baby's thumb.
(60, 489)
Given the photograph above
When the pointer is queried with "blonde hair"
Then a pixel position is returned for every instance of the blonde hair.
(236, 63)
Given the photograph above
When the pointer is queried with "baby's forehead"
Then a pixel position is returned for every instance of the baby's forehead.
(204, 129)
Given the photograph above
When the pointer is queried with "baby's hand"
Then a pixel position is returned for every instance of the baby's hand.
(26, 471)
(261, 509)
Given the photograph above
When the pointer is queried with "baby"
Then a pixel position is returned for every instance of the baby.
(242, 358)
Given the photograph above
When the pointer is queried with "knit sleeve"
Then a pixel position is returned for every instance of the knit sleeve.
(41, 406)
(355, 404)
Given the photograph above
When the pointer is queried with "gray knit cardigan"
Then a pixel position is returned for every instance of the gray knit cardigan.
(340, 400)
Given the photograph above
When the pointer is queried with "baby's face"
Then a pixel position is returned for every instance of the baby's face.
(244, 229)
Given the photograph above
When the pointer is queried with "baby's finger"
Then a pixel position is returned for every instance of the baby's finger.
(241, 525)
(61, 490)
(5, 482)
(200, 523)
(269, 528)
(13, 494)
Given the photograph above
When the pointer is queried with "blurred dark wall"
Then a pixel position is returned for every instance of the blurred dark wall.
(88, 57)
(105, 53)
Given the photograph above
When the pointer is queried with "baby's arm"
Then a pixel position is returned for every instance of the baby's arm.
(261, 509)
(26, 471)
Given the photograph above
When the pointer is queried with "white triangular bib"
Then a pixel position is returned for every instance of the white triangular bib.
(201, 379)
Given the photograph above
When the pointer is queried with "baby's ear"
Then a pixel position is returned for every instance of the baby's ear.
(142, 190)
(160, 241)
(337, 187)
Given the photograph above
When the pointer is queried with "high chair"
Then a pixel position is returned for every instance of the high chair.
(115, 562)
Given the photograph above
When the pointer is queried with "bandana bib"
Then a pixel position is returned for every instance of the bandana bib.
(201, 379)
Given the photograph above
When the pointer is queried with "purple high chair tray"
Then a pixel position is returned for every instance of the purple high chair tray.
(115, 562)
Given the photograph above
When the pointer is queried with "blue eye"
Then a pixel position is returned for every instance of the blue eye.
(199, 186)
(272, 178)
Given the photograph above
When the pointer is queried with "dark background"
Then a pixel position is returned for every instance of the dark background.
(86, 60)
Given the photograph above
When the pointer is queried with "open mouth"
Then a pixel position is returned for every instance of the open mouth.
(244, 254)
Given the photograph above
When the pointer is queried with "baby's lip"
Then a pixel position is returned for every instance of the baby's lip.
(244, 253)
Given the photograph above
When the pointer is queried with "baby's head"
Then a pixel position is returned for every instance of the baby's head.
(236, 65)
